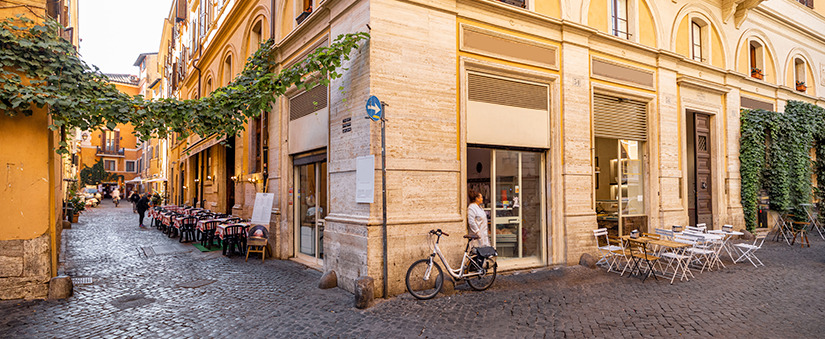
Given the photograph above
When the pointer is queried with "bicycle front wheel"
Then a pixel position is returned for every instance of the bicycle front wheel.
(424, 279)
(484, 281)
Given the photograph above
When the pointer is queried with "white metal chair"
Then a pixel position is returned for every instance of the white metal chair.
(679, 259)
(748, 251)
(695, 229)
(782, 228)
(813, 218)
(701, 252)
(665, 234)
(609, 252)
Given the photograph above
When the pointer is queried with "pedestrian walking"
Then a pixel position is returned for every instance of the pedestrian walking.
(142, 206)
(134, 199)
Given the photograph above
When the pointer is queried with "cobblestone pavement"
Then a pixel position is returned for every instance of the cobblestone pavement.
(186, 293)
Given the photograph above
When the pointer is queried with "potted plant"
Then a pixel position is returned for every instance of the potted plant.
(78, 205)
(800, 86)
(757, 73)
(155, 199)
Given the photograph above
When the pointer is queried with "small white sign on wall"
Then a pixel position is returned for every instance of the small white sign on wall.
(262, 208)
(365, 179)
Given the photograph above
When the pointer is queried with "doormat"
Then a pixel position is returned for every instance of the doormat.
(207, 249)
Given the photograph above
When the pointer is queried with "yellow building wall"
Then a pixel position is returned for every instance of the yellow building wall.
(24, 178)
(683, 38)
(550, 8)
(128, 89)
(597, 15)
(717, 57)
(647, 26)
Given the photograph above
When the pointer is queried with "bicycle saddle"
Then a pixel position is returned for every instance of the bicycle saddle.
(471, 236)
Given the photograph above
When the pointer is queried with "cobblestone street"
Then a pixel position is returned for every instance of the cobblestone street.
(177, 291)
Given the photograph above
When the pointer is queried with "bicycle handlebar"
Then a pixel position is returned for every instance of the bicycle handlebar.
(439, 232)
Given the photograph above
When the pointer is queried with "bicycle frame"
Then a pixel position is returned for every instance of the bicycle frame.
(455, 273)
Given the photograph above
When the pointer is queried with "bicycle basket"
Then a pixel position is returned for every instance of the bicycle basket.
(486, 251)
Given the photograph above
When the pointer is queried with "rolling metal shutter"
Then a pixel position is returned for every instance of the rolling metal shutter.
(308, 102)
(505, 92)
(619, 118)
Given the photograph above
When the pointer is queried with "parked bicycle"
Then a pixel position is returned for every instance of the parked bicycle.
(478, 267)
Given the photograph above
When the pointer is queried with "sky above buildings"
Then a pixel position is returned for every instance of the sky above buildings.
(115, 32)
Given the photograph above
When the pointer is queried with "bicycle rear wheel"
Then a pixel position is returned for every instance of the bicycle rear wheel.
(424, 281)
(484, 281)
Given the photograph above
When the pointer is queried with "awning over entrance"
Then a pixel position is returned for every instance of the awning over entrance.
(201, 145)
(156, 180)
(136, 180)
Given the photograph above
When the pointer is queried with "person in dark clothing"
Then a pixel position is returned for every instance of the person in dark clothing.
(142, 206)
(134, 199)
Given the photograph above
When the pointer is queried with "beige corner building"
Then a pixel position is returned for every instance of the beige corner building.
(567, 115)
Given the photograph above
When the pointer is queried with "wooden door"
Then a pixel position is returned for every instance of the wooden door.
(703, 179)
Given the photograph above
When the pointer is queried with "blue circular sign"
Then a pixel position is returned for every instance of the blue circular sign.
(375, 110)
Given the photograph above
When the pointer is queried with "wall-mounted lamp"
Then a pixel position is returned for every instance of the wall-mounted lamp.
(197, 180)
(234, 178)
(208, 177)
(250, 179)
(184, 187)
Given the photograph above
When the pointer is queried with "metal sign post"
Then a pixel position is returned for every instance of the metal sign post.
(375, 111)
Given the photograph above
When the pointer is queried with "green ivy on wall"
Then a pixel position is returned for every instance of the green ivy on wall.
(775, 154)
(40, 69)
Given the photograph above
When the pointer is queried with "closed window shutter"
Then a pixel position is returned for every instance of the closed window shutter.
(507, 92)
(181, 11)
(619, 118)
(117, 141)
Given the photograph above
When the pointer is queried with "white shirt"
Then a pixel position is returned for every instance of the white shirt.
(477, 221)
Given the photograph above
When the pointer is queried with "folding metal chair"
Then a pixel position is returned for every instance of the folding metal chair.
(813, 218)
(748, 251)
(608, 250)
(782, 229)
(639, 255)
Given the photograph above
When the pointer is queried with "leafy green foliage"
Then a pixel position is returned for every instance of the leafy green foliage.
(77, 204)
(41, 69)
(97, 174)
(775, 154)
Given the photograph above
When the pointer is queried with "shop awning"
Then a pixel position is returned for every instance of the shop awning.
(201, 145)
(155, 180)
(136, 180)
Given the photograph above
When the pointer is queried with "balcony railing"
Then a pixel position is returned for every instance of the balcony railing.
(102, 151)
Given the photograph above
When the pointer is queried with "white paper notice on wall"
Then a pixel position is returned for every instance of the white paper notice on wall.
(365, 179)
(263, 208)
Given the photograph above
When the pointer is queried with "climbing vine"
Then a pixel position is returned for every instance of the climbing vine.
(775, 155)
(42, 70)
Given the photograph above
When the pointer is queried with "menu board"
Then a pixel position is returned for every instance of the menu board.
(263, 208)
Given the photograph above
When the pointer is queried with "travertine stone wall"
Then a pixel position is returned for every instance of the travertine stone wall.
(25, 268)
(671, 202)
(577, 168)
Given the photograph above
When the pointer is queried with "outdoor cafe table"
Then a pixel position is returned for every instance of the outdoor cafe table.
(678, 247)
(202, 223)
(221, 228)
(725, 242)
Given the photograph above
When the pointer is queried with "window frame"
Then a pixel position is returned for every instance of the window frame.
(134, 167)
(106, 167)
(756, 57)
(614, 17)
(697, 43)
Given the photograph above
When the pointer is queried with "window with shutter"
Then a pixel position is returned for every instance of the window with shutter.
(180, 13)
(117, 141)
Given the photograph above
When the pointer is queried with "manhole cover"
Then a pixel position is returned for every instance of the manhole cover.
(132, 300)
(82, 280)
(196, 283)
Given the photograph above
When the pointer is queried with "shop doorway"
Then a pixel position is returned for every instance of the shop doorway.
(619, 185)
(511, 182)
(230, 173)
(310, 207)
(700, 180)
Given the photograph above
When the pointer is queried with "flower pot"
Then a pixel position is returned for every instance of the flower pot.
(801, 88)
(74, 217)
(757, 75)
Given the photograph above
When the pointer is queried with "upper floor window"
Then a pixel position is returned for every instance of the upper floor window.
(697, 41)
(227, 70)
(756, 56)
(800, 76)
(130, 166)
(618, 18)
(809, 3)
(255, 38)
(517, 3)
